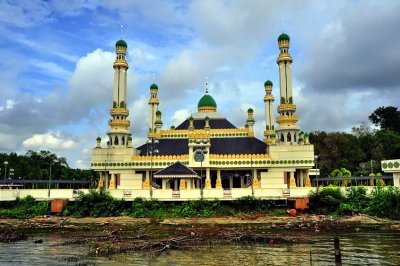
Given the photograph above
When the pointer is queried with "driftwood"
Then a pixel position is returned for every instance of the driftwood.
(184, 239)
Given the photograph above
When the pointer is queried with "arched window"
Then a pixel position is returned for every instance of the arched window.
(294, 137)
(289, 137)
(116, 140)
(282, 138)
(123, 140)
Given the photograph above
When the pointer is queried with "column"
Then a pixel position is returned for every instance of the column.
(301, 172)
(292, 180)
(242, 181)
(146, 183)
(163, 184)
(208, 179)
(218, 184)
(256, 183)
(231, 182)
(396, 179)
(176, 184)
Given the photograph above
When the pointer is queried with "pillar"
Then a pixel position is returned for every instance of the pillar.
(176, 184)
(396, 179)
(146, 183)
(208, 179)
(218, 184)
(231, 182)
(242, 181)
(163, 184)
(292, 180)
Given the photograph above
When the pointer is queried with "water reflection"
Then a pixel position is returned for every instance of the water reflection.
(357, 249)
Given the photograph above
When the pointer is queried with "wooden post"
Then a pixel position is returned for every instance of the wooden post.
(338, 254)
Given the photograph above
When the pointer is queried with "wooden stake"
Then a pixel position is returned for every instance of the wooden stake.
(338, 254)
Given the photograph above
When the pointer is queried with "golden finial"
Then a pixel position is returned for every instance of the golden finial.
(122, 29)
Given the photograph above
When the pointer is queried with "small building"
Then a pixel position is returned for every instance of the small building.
(220, 159)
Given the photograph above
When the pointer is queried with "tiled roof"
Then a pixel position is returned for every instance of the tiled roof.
(176, 170)
(168, 147)
(244, 145)
(247, 145)
(200, 123)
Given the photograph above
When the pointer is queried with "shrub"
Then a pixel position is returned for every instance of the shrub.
(24, 208)
(385, 202)
(95, 204)
(326, 200)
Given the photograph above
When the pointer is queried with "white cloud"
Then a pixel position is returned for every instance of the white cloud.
(50, 141)
(179, 116)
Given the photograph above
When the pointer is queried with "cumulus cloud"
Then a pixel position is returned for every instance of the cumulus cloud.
(49, 141)
(355, 52)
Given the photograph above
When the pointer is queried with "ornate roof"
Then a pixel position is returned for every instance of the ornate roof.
(200, 123)
(176, 170)
(121, 43)
(207, 100)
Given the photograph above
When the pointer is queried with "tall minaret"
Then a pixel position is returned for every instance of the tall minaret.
(119, 132)
(269, 133)
(287, 130)
(153, 107)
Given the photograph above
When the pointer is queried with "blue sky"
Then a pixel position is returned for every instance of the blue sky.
(56, 60)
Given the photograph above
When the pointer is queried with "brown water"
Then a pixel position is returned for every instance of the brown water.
(380, 248)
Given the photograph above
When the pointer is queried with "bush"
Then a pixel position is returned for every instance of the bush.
(24, 208)
(357, 200)
(95, 204)
(327, 200)
(385, 202)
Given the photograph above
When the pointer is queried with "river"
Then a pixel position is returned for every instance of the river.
(373, 248)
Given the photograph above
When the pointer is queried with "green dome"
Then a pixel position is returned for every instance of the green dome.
(206, 118)
(153, 86)
(129, 138)
(207, 100)
(158, 113)
(283, 36)
(121, 43)
(98, 139)
(268, 83)
(250, 110)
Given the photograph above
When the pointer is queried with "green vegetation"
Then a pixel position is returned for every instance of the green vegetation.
(23, 208)
(382, 202)
(101, 204)
(36, 166)
(362, 150)
(96, 203)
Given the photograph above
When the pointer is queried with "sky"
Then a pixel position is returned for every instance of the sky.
(56, 58)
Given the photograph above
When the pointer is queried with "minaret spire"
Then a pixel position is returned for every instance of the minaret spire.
(206, 85)
(288, 130)
(269, 133)
(119, 132)
(153, 107)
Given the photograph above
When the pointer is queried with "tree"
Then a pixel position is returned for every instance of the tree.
(387, 118)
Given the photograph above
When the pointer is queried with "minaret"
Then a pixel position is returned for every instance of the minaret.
(287, 130)
(158, 123)
(269, 99)
(153, 107)
(119, 132)
(250, 119)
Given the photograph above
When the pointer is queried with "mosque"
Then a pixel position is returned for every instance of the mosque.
(206, 156)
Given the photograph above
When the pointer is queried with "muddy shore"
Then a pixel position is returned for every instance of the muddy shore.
(120, 234)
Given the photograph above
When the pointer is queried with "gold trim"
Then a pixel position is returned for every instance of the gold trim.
(161, 158)
(239, 156)
(119, 122)
(286, 107)
(287, 119)
(118, 111)
(207, 109)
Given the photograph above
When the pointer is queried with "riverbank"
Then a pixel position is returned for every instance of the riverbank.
(152, 236)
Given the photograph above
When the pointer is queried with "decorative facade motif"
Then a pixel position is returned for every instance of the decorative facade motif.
(206, 154)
